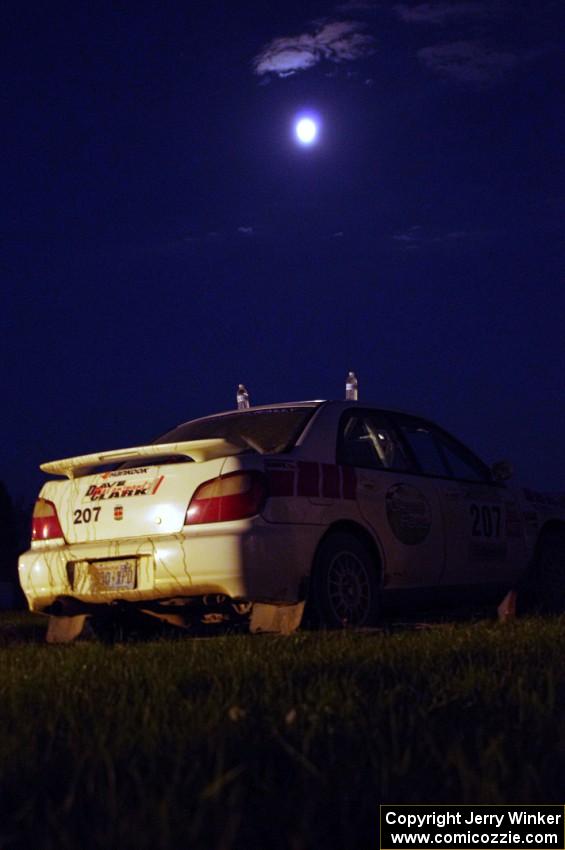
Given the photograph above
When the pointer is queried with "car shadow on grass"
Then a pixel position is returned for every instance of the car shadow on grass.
(20, 627)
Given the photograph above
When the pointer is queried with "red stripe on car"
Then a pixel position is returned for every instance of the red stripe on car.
(349, 482)
(330, 481)
(157, 485)
(281, 482)
(308, 479)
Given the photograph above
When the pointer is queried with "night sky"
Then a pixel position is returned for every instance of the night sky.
(165, 237)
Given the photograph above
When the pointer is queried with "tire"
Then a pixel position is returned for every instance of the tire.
(345, 587)
(550, 573)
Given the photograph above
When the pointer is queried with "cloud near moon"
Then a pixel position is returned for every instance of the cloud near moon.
(468, 61)
(337, 41)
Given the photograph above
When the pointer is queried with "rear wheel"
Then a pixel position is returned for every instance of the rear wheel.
(550, 573)
(345, 586)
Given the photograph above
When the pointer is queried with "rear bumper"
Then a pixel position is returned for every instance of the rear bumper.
(248, 560)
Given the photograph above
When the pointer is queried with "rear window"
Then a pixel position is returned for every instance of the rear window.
(265, 431)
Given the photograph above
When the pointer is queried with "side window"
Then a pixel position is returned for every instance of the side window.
(462, 463)
(426, 450)
(368, 440)
(439, 454)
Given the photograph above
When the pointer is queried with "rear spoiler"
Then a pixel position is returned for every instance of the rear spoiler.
(197, 450)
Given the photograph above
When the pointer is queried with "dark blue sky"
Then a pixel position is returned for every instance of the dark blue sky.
(165, 238)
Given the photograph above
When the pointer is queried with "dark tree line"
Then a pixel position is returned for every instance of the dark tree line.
(14, 535)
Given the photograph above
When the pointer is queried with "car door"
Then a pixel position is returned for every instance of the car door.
(402, 508)
(484, 538)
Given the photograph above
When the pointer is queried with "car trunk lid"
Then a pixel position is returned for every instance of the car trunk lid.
(140, 501)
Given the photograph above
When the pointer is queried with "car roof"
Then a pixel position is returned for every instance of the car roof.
(253, 408)
(313, 403)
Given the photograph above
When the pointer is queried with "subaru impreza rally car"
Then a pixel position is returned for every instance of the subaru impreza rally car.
(250, 513)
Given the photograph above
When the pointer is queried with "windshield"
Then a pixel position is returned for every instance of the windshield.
(265, 431)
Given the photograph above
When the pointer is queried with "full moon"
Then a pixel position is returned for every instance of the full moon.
(306, 131)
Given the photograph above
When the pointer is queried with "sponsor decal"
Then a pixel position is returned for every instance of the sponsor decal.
(487, 550)
(514, 524)
(120, 473)
(123, 489)
(119, 512)
(409, 514)
(553, 499)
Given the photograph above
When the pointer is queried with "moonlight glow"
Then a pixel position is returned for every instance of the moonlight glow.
(306, 131)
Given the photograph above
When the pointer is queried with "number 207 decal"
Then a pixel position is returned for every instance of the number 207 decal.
(485, 520)
(82, 515)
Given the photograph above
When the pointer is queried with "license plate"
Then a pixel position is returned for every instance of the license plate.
(114, 575)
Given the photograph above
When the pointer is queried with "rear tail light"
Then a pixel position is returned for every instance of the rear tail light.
(45, 523)
(234, 496)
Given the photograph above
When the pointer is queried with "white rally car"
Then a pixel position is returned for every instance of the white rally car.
(248, 514)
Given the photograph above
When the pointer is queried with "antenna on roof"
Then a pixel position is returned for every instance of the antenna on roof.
(351, 387)
(242, 397)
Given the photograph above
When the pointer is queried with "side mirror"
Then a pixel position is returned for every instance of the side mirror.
(501, 470)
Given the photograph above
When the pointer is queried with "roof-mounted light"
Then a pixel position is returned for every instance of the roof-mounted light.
(351, 387)
(242, 397)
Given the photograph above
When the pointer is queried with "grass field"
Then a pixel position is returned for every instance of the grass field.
(271, 742)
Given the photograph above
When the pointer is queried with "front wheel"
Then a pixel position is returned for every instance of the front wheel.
(345, 586)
